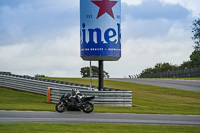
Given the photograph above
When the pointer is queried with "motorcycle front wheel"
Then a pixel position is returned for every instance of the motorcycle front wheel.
(88, 107)
(60, 107)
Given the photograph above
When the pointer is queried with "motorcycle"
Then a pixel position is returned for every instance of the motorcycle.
(75, 101)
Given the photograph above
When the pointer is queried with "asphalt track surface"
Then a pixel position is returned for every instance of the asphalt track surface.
(80, 117)
(189, 85)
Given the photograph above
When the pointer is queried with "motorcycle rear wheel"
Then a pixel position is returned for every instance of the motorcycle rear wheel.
(88, 107)
(60, 107)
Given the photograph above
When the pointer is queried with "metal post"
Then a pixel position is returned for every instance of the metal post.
(101, 74)
(90, 74)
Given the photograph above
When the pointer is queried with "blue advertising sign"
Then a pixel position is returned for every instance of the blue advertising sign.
(100, 30)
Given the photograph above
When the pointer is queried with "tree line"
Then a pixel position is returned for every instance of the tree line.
(85, 72)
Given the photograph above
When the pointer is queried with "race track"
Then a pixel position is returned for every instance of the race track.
(80, 117)
(189, 85)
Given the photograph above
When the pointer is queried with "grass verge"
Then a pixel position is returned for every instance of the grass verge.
(94, 128)
(146, 99)
(149, 99)
(17, 100)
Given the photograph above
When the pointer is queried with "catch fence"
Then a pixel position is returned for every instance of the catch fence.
(181, 73)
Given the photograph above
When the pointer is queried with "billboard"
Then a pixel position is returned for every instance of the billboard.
(100, 30)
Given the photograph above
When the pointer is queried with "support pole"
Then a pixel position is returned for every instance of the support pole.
(90, 74)
(101, 74)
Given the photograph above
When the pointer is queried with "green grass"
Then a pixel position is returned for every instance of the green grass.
(146, 99)
(16, 100)
(149, 99)
(94, 128)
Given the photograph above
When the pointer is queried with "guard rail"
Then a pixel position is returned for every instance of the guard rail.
(107, 96)
(102, 98)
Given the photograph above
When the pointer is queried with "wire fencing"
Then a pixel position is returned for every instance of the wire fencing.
(181, 73)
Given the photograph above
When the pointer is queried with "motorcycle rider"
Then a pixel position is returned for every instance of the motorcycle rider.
(75, 102)
(77, 95)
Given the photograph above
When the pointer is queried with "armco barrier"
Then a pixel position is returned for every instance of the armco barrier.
(107, 96)
(103, 98)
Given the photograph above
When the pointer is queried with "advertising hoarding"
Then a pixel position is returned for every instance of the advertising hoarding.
(100, 30)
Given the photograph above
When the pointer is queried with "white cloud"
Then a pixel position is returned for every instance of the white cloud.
(147, 42)
(43, 38)
(132, 2)
(192, 5)
(139, 54)
(27, 21)
(56, 57)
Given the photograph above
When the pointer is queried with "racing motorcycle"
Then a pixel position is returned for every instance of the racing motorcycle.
(75, 101)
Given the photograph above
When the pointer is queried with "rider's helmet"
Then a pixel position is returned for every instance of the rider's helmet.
(74, 92)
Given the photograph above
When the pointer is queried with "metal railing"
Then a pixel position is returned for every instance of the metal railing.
(107, 96)
(181, 73)
(102, 98)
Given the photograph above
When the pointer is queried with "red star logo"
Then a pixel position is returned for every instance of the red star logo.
(105, 6)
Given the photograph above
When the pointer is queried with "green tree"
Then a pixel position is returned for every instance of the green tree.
(167, 66)
(85, 72)
(186, 64)
(38, 75)
(196, 33)
(147, 71)
(159, 67)
(195, 56)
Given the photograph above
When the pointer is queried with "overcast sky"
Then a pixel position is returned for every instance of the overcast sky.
(43, 36)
